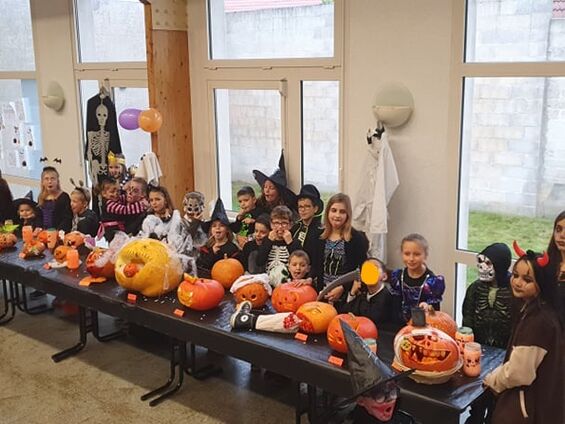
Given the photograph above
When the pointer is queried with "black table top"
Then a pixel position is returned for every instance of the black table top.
(280, 353)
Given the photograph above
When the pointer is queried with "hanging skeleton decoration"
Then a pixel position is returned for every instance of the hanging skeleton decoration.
(101, 134)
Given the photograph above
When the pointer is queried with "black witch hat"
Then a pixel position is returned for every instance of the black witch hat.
(218, 214)
(309, 191)
(367, 370)
(278, 178)
(26, 200)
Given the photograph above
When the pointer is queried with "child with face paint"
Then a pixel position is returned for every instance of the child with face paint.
(529, 383)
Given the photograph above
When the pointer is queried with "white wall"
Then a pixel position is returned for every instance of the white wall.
(408, 41)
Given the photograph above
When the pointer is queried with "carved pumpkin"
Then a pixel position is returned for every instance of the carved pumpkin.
(426, 349)
(7, 240)
(361, 325)
(60, 253)
(43, 236)
(74, 239)
(33, 248)
(146, 266)
(254, 292)
(315, 316)
(226, 271)
(199, 293)
(288, 298)
(95, 267)
(440, 320)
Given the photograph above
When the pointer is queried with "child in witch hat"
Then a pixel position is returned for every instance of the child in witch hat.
(375, 390)
(28, 212)
(274, 190)
(220, 244)
(309, 228)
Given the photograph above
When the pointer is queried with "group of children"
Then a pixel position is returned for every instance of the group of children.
(293, 238)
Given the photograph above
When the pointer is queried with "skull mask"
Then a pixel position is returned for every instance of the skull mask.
(102, 115)
(193, 204)
(486, 268)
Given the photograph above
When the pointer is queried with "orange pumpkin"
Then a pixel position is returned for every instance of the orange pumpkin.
(226, 271)
(7, 240)
(254, 292)
(288, 298)
(361, 325)
(315, 317)
(440, 320)
(60, 253)
(43, 236)
(199, 293)
(426, 349)
(32, 249)
(98, 270)
(74, 239)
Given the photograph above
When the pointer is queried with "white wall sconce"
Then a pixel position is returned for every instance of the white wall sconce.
(54, 98)
(393, 105)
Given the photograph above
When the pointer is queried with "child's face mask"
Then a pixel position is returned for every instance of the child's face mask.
(486, 268)
(192, 206)
(381, 404)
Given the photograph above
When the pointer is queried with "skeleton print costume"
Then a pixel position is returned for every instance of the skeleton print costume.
(101, 134)
(275, 255)
(488, 301)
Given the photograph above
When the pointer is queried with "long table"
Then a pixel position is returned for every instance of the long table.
(302, 362)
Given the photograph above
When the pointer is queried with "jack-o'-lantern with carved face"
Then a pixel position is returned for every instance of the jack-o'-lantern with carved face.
(74, 239)
(253, 292)
(426, 349)
(288, 297)
(147, 266)
(7, 240)
(60, 253)
(315, 316)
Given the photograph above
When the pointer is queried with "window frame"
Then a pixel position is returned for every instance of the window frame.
(460, 70)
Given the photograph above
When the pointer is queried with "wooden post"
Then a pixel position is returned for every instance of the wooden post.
(169, 92)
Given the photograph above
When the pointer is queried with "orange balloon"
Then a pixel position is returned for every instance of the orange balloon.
(150, 120)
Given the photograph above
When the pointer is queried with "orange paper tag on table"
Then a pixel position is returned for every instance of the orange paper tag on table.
(132, 298)
(334, 360)
(85, 282)
(178, 312)
(301, 337)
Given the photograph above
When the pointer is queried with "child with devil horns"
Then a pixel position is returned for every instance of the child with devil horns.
(529, 384)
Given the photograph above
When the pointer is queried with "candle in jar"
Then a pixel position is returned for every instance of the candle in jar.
(51, 239)
(27, 233)
(462, 336)
(72, 259)
(472, 359)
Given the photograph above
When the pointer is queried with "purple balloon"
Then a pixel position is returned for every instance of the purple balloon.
(128, 119)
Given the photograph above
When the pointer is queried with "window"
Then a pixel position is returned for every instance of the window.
(512, 172)
(271, 29)
(248, 127)
(16, 41)
(101, 23)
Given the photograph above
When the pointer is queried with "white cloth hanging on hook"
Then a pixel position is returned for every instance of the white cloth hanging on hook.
(149, 169)
(379, 182)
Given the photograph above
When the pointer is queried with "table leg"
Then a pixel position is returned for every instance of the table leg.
(201, 373)
(23, 305)
(83, 331)
(312, 404)
(165, 390)
(9, 302)
(96, 329)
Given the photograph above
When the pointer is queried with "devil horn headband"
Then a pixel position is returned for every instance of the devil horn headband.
(542, 260)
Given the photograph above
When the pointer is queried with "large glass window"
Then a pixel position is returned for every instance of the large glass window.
(16, 37)
(248, 135)
(267, 29)
(110, 31)
(515, 31)
(320, 135)
(20, 130)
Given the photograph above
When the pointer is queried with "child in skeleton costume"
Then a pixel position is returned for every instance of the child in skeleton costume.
(251, 248)
(275, 251)
(529, 383)
(309, 228)
(163, 222)
(117, 169)
(415, 283)
(488, 301)
(244, 225)
(193, 207)
(374, 386)
(220, 244)
(84, 219)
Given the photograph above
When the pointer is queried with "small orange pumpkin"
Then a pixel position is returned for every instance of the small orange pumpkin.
(74, 239)
(107, 270)
(426, 349)
(361, 325)
(315, 317)
(288, 298)
(440, 320)
(226, 271)
(60, 253)
(199, 293)
(7, 240)
(254, 292)
(43, 236)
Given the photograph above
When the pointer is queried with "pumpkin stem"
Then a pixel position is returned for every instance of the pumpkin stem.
(225, 255)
